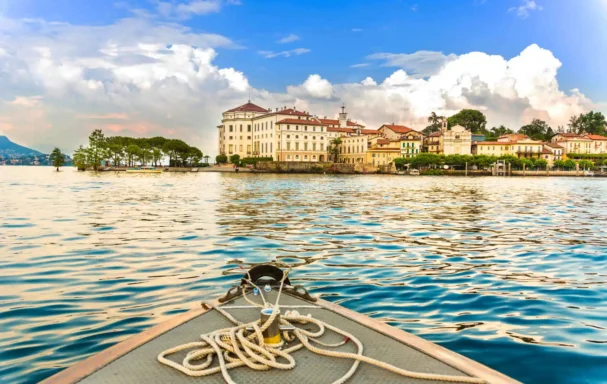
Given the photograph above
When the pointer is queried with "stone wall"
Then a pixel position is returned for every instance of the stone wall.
(312, 167)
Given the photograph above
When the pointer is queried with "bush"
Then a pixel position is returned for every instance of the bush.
(221, 159)
(585, 164)
(235, 159)
(569, 164)
(254, 160)
(541, 163)
(432, 172)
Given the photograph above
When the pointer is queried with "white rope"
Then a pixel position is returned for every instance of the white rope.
(236, 347)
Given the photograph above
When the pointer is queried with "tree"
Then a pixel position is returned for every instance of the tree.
(235, 159)
(496, 132)
(471, 119)
(559, 164)
(435, 123)
(592, 122)
(97, 149)
(80, 158)
(541, 163)
(156, 155)
(132, 152)
(144, 155)
(586, 164)
(195, 156)
(221, 159)
(569, 164)
(58, 158)
(116, 152)
(537, 130)
(334, 148)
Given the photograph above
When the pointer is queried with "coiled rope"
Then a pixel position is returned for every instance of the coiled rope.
(236, 347)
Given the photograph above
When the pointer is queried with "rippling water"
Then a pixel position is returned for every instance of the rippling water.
(510, 272)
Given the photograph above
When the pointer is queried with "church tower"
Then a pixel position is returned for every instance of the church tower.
(343, 117)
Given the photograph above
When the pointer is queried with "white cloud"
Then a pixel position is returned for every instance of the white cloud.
(527, 6)
(420, 63)
(357, 29)
(191, 8)
(292, 52)
(289, 39)
(509, 92)
(360, 65)
(314, 86)
(138, 77)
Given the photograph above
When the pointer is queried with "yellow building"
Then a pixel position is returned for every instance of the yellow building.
(383, 151)
(433, 143)
(454, 141)
(411, 144)
(599, 143)
(353, 148)
(525, 148)
(299, 140)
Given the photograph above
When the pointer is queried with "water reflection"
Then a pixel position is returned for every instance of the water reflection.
(510, 272)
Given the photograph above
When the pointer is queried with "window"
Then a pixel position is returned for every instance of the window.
(305, 146)
(314, 157)
(305, 128)
(288, 146)
(248, 127)
(297, 136)
(248, 137)
(230, 137)
(297, 146)
(249, 149)
(240, 148)
(240, 127)
(288, 157)
(230, 150)
(288, 136)
(231, 129)
(270, 147)
(306, 157)
(240, 137)
(314, 129)
(314, 147)
(271, 124)
(297, 127)
(306, 137)
(296, 157)
(322, 146)
(288, 126)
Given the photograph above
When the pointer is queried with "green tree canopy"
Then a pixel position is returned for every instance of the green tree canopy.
(57, 158)
(471, 119)
(97, 148)
(235, 159)
(221, 159)
(591, 122)
(537, 130)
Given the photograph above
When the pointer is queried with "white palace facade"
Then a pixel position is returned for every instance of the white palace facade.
(284, 134)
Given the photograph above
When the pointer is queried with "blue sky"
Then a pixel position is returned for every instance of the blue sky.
(277, 45)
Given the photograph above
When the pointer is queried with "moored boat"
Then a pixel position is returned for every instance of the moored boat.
(145, 169)
(267, 330)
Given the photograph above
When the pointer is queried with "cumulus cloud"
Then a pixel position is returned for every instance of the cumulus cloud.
(292, 52)
(510, 92)
(139, 77)
(524, 10)
(314, 87)
(58, 82)
(420, 63)
(288, 39)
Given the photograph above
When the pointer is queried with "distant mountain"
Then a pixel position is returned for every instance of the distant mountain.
(10, 149)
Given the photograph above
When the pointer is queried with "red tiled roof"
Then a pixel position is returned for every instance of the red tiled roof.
(384, 149)
(287, 111)
(248, 107)
(546, 151)
(514, 136)
(369, 132)
(567, 134)
(494, 142)
(334, 129)
(553, 145)
(383, 141)
(336, 122)
(435, 134)
(397, 128)
(300, 122)
(596, 137)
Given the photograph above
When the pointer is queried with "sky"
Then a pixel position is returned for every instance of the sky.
(171, 67)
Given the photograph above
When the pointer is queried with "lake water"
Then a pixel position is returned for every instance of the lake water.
(511, 272)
